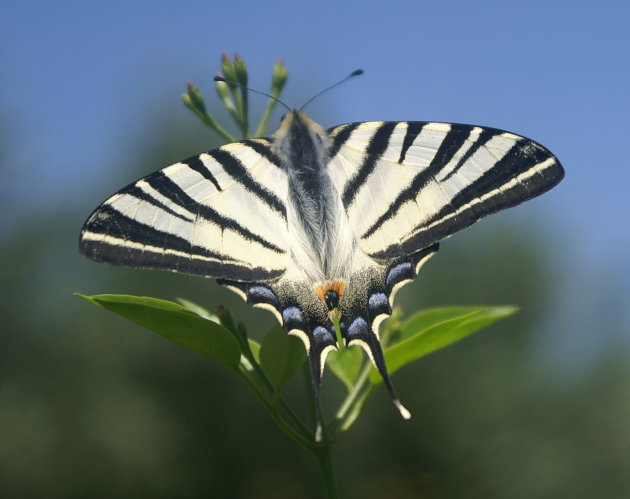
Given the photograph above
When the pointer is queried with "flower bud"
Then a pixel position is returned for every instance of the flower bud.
(223, 90)
(195, 98)
(240, 69)
(278, 77)
(227, 66)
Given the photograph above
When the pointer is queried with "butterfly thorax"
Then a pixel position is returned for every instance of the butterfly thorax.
(322, 246)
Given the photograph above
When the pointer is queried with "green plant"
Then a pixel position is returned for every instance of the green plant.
(266, 367)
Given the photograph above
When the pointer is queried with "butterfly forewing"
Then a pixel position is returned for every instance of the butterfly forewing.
(407, 185)
(219, 214)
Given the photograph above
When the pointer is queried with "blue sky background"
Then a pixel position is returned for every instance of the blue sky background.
(536, 407)
(82, 81)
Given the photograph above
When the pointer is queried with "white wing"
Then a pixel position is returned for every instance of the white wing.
(407, 185)
(220, 214)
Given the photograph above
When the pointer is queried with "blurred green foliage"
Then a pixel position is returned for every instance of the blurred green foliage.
(92, 406)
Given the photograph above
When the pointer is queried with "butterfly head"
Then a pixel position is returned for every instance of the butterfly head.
(297, 122)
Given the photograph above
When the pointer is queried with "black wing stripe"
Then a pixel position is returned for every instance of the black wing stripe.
(482, 140)
(413, 130)
(159, 260)
(341, 138)
(110, 222)
(265, 151)
(138, 193)
(520, 159)
(453, 141)
(238, 172)
(499, 190)
(172, 191)
(196, 164)
(375, 149)
(118, 237)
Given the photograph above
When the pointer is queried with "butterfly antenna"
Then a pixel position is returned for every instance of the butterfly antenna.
(356, 72)
(221, 78)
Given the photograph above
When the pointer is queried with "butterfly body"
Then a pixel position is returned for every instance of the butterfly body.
(322, 244)
(320, 225)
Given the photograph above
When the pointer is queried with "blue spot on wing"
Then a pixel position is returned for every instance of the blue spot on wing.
(262, 294)
(358, 329)
(401, 272)
(378, 304)
(377, 300)
(293, 318)
(321, 335)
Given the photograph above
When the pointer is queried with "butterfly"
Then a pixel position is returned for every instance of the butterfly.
(320, 226)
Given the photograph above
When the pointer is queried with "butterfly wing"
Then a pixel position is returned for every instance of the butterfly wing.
(219, 214)
(407, 185)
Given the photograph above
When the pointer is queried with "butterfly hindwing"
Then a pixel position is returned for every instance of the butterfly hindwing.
(407, 185)
(299, 311)
(219, 214)
(369, 300)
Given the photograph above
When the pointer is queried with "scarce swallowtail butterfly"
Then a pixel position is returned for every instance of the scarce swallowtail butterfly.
(314, 224)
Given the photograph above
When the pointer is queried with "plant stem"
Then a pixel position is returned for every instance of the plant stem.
(244, 113)
(297, 436)
(264, 121)
(350, 408)
(322, 449)
(354, 395)
(267, 390)
(210, 122)
(325, 463)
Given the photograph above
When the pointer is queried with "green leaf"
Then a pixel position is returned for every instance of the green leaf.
(198, 309)
(246, 361)
(254, 346)
(175, 322)
(346, 364)
(281, 355)
(429, 317)
(431, 330)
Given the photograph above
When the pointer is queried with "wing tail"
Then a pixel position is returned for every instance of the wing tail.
(371, 297)
(299, 314)
(359, 333)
